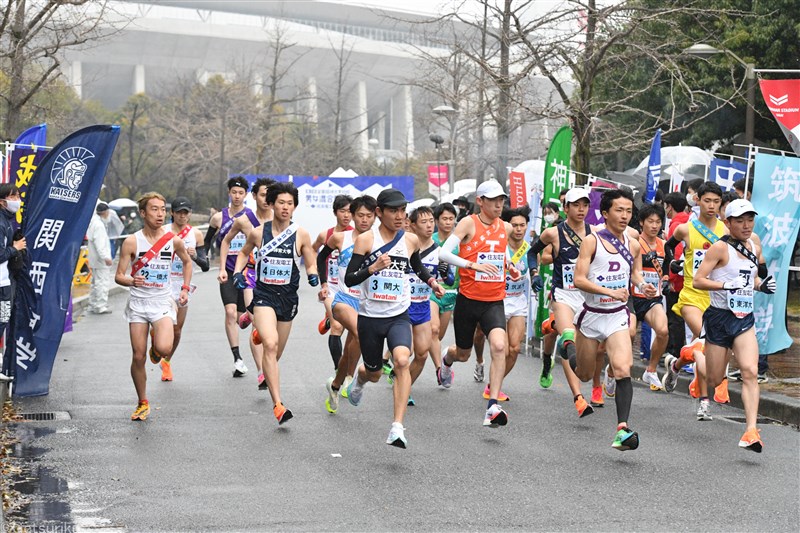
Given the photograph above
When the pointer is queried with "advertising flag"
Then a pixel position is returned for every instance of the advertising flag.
(33, 139)
(653, 168)
(556, 178)
(776, 198)
(437, 180)
(61, 200)
(24, 160)
(725, 173)
(783, 100)
(516, 189)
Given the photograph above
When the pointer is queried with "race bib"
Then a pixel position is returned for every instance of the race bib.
(333, 271)
(156, 274)
(237, 244)
(420, 292)
(275, 271)
(491, 258)
(612, 284)
(386, 285)
(697, 260)
(568, 277)
(177, 268)
(740, 302)
(515, 288)
(651, 278)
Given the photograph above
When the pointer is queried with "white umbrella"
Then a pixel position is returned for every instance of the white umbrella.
(120, 203)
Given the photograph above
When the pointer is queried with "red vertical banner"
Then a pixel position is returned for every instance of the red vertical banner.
(783, 100)
(437, 180)
(516, 189)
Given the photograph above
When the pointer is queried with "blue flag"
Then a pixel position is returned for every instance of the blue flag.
(35, 136)
(653, 169)
(724, 173)
(61, 201)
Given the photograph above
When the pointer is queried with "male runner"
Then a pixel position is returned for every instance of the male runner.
(483, 239)
(565, 299)
(651, 310)
(732, 270)
(346, 300)
(243, 225)
(151, 302)
(442, 308)
(609, 261)
(341, 210)
(381, 258)
(232, 298)
(279, 245)
(181, 211)
(698, 235)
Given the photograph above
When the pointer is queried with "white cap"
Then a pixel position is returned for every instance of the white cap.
(575, 194)
(490, 189)
(738, 208)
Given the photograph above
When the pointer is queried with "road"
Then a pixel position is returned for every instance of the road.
(211, 456)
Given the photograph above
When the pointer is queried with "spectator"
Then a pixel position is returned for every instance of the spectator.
(739, 185)
(134, 224)
(99, 261)
(463, 206)
(675, 204)
(11, 247)
(113, 226)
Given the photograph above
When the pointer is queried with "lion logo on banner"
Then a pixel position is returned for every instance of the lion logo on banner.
(70, 166)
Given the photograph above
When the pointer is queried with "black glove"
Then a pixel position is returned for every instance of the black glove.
(676, 266)
(664, 286)
(239, 281)
(768, 285)
(536, 283)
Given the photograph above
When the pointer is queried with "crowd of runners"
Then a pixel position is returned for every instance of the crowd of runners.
(397, 279)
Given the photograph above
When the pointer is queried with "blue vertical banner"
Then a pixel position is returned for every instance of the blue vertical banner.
(653, 168)
(61, 201)
(725, 172)
(27, 153)
(35, 136)
(776, 197)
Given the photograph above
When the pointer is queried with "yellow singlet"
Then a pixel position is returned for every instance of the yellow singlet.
(693, 256)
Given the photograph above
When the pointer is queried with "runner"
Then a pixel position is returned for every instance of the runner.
(345, 303)
(181, 211)
(608, 263)
(482, 260)
(279, 245)
(151, 303)
(381, 258)
(698, 235)
(442, 308)
(341, 210)
(232, 298)
(731, 271)
(651, 310)
(566, 300)
(243, 225)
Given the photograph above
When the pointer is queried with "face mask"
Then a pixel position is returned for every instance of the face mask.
(690, 200)
(549, 218)
(13, 205)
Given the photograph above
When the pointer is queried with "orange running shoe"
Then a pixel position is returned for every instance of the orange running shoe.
(548, 326)
(502, 397)
(281, 413)
(255, 337)
(694, 390)
(324, 325)
(584, 409)
(155, 358)
(687, 352)
(721, 392)
(751, 440)
(143, 409)
(166, 370)
(597, 397)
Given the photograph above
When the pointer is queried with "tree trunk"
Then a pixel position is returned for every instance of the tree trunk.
(503, 98)
(17, 79)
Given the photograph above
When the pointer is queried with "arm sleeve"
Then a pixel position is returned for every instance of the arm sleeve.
(322, 268)
(418, 268)
(201, 259)
(668, 257)
(671, 244)
(357, 271)
(447, 256)
(209, 240)
(533, 263)
(762, 270)
(537, 247)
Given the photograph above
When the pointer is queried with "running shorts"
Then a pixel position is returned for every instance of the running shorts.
(344, 298)
(150, 310)
(600, 324)
(721, 327)
(641, 306)
(446, 303)
(285, 307)
(469, 313)
(516, 306)
(574, 299)
(372, 332)
(692, 297)
(231, 295)
(419, 313)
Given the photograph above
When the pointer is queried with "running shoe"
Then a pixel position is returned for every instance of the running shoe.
(687, 352)
(390, 377)
(397, 436)
(245, 320)
(694, 390)
(670, 379)
(651, 378)
(354, 393)
(721, 392)
(343, 389)
(762, 378)
(609, 383)
(445, 376)
(255, 337)
(689, 369)
(155, 358)
(387, 368)
(478, 374)
(548, 326)
(324, 325)
(751, 440)
(703, 411)
(495, 416)
(625, 439)
(584, 409)
(332, 401)
(166, 370)
(282, 414)
(735, 375)
(239, 368)
(411, 402)
(262, 382)
(141, 412)
(597, 397)
(546, 379)
(502, 397)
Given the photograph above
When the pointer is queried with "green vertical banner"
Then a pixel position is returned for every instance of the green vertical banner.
(556, 179)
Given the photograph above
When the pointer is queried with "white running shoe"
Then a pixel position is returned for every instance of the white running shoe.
(670, 379)
(609, 383)
(239, 368)
(495, 416)
(651, 378)
(332, 401)
(347, 381)
(478, 374)
(397, 436)
(703, 411)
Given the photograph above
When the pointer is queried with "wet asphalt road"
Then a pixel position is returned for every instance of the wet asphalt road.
(212, 457)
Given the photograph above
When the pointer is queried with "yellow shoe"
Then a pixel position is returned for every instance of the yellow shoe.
(142, 410)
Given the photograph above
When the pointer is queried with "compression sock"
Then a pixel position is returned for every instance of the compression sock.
(572, 355)
(546, 363)
(236, 356)
(335, 347)
(491, 403)
(624, 398)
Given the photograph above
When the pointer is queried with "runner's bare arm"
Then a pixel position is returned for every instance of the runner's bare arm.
(309, 254)
(225, 244)
(320, 240)
(126, 254)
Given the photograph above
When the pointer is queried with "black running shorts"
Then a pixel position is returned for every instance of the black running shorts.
(230, 294)
(641, 306)
(285, 307)
(469, 313)
(721, 327)
(396, 331)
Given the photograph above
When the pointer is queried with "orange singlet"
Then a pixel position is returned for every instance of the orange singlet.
(487, 246)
